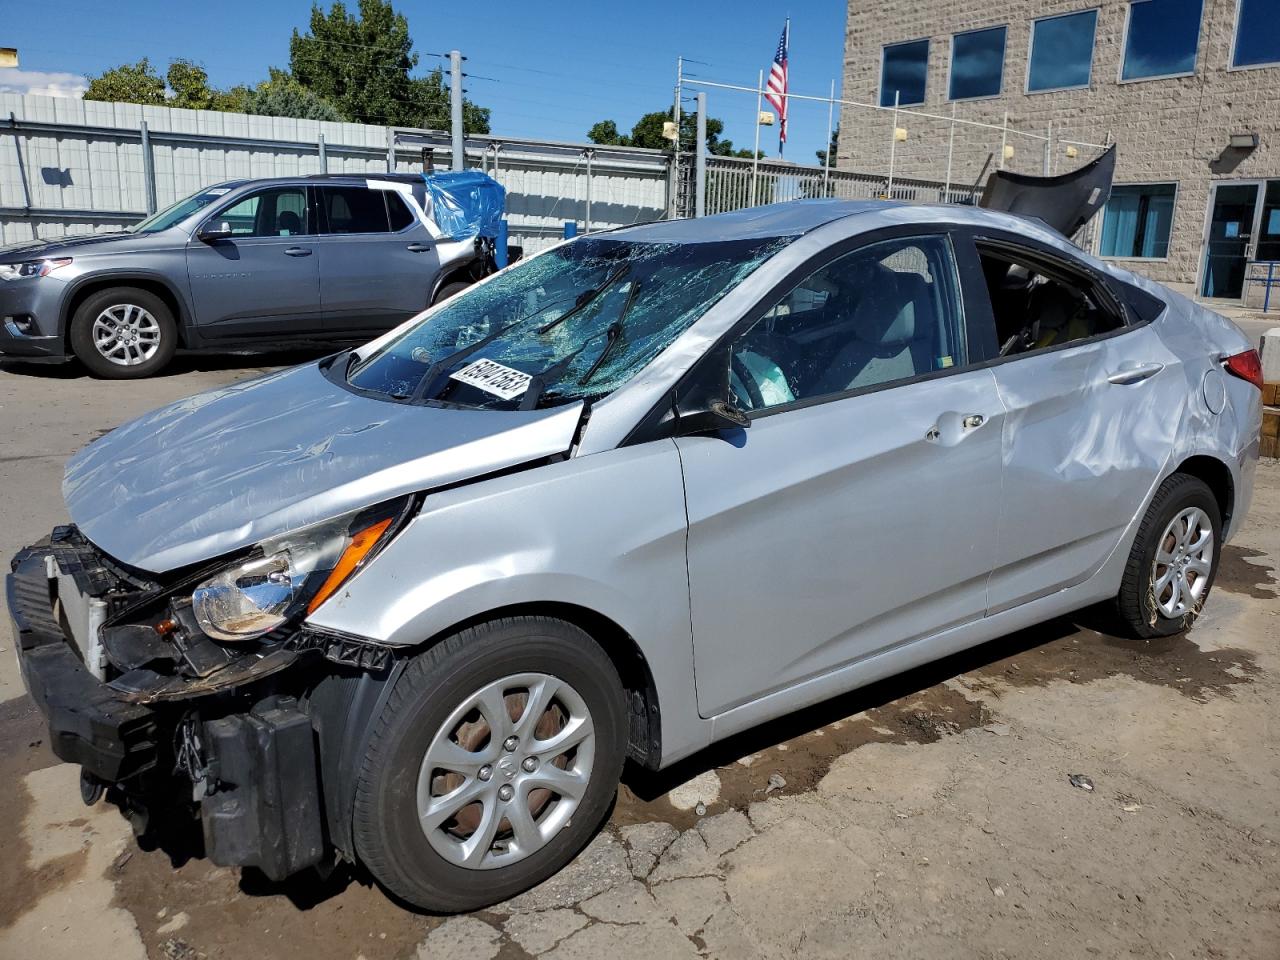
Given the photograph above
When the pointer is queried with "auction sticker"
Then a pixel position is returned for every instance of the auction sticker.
(493, 377)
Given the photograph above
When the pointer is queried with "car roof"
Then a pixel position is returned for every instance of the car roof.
(791, 218)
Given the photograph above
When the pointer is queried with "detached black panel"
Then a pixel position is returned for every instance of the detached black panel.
(266, 811)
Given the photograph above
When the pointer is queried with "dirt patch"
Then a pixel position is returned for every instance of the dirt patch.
(226, 908)
(22, 751)
(1236, 574)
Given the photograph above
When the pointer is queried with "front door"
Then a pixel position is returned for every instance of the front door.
(263, 281)
(858, 511)
(1229, 239)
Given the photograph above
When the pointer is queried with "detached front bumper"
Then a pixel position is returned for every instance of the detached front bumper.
(243, 761)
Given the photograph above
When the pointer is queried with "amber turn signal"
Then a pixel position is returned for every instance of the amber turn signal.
(357, 550)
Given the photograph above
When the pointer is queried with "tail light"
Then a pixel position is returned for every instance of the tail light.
(1246, 366)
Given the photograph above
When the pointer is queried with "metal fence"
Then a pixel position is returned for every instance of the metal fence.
(75, 166)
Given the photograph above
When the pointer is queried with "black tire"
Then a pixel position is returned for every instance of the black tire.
(81, 334)
(390, 840)
(1136, 600)
(448, 290)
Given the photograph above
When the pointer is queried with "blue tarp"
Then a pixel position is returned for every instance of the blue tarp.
(465, 203)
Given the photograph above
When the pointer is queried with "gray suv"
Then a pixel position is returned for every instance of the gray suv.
(246, 263)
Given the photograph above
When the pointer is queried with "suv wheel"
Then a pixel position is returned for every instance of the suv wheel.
(1174, 559)
(448, 290)
(494, 761)
(123, 333)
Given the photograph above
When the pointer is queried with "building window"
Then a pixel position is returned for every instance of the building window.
(1161, 38)
(903, 70)
(1257, 34)
(977, 63)
(1062, 51)
(1138, 220)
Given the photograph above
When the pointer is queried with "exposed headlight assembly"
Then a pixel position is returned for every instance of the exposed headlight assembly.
(32, 268)
(291, 574)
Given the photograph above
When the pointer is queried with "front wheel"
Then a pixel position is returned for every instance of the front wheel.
(495, 760)
(123, 333)
(449, 290)
(1173, 560)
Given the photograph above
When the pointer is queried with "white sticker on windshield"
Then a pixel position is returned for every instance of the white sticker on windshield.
(492, 377)
(217, 191)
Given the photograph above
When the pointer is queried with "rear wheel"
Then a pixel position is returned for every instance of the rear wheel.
(1173, 560)
(449, 290)
(123, 333)
(495, 760)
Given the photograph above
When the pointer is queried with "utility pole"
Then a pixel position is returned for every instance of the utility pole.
(675, 110)
(700, 152)
(458, 161)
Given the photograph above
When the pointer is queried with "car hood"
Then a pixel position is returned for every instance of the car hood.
(37, 249)
(222, 470)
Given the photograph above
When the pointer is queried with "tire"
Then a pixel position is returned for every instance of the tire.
(144, 321)
(428, 697)
(1151, 613)
(448, 290)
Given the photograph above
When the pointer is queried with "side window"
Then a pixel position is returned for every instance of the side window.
(1037, 307)
(886, 312)
(397, 212)
(279, 212)
(354, 209)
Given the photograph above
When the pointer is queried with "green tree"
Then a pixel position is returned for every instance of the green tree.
(833, 148)
(361, 62)
(282, 96)
(647, 132)
(128, 83)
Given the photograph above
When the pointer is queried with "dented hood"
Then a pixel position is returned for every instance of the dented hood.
(225, 469)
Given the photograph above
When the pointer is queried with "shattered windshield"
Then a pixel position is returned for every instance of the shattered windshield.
(574, 323)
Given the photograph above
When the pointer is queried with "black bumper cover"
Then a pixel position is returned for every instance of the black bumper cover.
(264, 809)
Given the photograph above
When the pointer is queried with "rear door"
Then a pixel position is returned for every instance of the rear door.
(858, 511)
(378, 261)
(263, 281)
(1093, 398)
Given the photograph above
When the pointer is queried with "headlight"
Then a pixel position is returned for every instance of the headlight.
(289, 574)
(32, 268)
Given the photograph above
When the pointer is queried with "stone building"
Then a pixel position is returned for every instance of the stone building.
(1189, 90)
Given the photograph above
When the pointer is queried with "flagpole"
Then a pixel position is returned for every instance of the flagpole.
(786, 50)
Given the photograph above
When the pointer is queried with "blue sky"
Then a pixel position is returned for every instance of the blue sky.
(546, 69)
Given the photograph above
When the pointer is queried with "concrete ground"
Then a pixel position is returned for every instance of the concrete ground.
(932, 816)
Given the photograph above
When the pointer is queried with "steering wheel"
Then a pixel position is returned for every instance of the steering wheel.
(748, 381)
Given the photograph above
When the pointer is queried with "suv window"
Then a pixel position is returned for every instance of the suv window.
(397, 212)
(886, 312)
(1039, 306)
(277, 212)
(354, 209)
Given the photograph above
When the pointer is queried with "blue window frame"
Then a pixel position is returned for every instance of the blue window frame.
(1161, 38)
(1062, 51)
(1257, 34)
(1138, 220)
(904, 69)
(977, 63)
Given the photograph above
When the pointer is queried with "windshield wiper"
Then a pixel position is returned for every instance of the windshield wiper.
(585, 299)
(614, 334)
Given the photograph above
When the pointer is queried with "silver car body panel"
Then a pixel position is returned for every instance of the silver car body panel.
(224, 469)
(605, 529)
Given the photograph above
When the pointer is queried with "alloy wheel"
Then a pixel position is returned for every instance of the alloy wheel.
(1184, 560)
(506, 771)
(126, 334)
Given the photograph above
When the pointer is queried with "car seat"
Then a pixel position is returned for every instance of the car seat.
(1058, 315)
(893, 329)
(288, 224)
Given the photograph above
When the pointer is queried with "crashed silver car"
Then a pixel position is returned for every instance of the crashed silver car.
(413, 606)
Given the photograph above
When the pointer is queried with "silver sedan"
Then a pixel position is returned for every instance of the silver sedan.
(415, 604)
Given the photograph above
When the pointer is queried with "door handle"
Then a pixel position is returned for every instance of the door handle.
(1135, 373)
(297, 252)
(973, 421)
(951, 428)
(418, 247)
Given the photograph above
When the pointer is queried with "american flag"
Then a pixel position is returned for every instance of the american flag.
(776, 88)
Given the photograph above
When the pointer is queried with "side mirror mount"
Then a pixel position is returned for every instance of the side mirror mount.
(706, 407)
(214, 230)
(717, 415)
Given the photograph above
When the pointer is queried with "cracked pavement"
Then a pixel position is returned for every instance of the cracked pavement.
(928, 816)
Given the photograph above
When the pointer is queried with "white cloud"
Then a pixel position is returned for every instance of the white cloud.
(13, 80)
